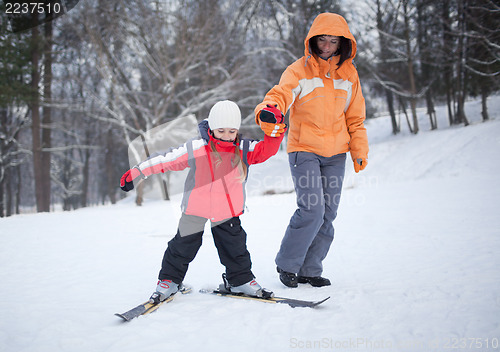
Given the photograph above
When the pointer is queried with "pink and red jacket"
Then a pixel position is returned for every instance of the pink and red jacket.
(214, 188)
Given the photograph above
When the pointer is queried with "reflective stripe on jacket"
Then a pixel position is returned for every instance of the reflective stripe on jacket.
(214, 188)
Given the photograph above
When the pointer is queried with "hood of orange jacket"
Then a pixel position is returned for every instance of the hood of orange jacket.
(335, 25)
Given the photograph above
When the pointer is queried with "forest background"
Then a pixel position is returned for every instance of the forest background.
(76, 90)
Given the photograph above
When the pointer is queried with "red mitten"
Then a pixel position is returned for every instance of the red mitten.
(126, 182)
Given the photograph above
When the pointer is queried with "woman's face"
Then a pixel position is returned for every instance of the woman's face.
(226, 134)
(327, 45)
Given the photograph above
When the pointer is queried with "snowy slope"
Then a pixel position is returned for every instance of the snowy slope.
(414, 264)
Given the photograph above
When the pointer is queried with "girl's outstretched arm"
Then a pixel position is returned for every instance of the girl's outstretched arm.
(260, 151)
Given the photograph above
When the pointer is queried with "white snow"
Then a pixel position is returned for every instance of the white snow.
(415, 263)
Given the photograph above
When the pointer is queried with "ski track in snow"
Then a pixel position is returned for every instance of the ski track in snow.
(414, 264)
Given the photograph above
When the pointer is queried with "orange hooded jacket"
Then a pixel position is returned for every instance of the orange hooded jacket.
(327, 108)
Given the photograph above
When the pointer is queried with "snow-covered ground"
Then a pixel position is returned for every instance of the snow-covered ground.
(415, 263)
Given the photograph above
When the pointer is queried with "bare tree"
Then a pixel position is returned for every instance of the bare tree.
(384, 22)
(427, 45)
(42, 195)
(46, 135)
(164, 61)
(483, 61)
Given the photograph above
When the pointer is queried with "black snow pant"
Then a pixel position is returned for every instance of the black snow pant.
(229, 238)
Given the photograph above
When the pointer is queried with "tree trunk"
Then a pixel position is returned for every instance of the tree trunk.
(390, 105)
(3, 122)
(1, 197)
(8, 202)
(403, 106)
(111, 181)
(484, 105)
(411, 74)
(164, 187)
(35, 117)
(139, 198)
(430, 110)
(47, 112)
(86, 173)
(18, 193)
(447, 40)
(462, 50)
(449, 104)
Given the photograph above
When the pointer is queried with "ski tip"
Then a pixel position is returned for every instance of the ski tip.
(326, 299)
(122, 316)
(319, 302)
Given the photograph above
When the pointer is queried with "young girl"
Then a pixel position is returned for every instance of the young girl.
(214, 190)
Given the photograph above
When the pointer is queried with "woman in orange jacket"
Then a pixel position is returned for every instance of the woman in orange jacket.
(327, 110)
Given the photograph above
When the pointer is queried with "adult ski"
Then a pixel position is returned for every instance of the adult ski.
(148, 307)
(290, 301)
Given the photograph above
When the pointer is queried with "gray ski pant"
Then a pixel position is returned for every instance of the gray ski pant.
(318, 184)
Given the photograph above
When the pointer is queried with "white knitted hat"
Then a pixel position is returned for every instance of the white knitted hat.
(224, 114)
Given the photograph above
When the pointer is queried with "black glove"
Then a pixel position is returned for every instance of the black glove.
(271, 114)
